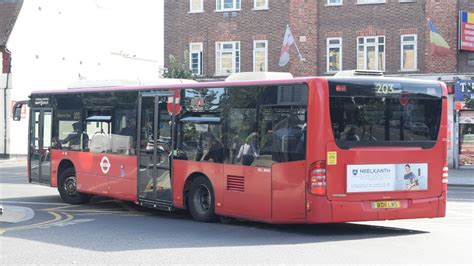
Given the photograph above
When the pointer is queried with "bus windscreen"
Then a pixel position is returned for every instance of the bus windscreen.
(385, 113)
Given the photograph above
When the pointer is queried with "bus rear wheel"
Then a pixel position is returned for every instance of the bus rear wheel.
(68, 188)
(201, 201)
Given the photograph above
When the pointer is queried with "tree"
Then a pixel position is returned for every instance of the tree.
(468, 101)
(177, 70)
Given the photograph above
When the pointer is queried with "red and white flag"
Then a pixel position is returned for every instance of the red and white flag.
(288, 41)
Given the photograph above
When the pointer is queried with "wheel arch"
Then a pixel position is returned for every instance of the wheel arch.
(187, 186)
(63, 165)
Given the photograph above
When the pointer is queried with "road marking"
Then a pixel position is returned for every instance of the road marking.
(64, 223)
(458, 199)
(34, 203)
(57, 218)
(7, 173)
(62, 217)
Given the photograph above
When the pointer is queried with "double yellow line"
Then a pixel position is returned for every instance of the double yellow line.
(57, 218)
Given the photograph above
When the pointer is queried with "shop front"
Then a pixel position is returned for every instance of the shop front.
(464, 105)
(466, 138)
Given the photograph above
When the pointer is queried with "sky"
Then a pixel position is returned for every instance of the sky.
(86, 40)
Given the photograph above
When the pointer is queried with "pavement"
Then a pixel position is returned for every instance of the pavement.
(463, 177)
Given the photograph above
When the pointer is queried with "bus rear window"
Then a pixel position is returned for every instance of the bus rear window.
(384, 113)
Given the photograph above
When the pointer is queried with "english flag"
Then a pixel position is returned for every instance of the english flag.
(288, 41)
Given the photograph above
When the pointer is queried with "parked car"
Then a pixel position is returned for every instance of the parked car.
(419, 128)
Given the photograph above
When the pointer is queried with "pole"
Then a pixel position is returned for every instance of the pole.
(5, 116)
(296, 45)
(299, 53)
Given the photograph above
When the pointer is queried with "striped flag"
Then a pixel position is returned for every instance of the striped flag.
(439, 46)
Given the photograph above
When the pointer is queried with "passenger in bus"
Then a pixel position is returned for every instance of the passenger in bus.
(267, 148)
(129, 129)
(215, 153)
(248, 151)
(351, 135)
(73, 139)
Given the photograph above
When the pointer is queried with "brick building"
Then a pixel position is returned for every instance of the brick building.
(332, 35)
(466, 58)
(230, 33)
(390, 35)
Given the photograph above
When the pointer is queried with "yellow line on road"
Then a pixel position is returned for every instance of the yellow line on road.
(57, 218)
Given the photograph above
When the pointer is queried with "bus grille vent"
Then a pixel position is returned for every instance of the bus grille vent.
(235, 183)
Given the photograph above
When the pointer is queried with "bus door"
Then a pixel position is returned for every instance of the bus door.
(40, 146)
(155, 141)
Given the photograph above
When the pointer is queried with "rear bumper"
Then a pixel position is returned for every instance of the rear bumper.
(322, 210)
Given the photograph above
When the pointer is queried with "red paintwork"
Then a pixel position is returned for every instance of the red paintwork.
(344, 206)
(90, 178)
(280, 194)
(288, 192)
(255, 202)
(183, 169)
(279, 200)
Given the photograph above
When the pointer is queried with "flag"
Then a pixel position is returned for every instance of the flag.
(288, 41)
(439, 46)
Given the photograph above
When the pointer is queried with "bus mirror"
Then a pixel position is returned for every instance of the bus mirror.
(17, 110)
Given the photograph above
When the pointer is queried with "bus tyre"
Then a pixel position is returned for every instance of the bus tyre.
(68, 188)
(201, 201)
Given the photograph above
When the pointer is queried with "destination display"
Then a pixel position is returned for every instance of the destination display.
(363, 88)
(387, 177)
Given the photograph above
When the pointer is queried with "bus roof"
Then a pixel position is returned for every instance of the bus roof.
(175, 86)
(233, 83)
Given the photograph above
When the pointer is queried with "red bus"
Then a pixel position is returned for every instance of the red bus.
(298, 150)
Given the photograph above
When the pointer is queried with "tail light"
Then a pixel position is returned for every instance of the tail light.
(444, 180)
(317, 178)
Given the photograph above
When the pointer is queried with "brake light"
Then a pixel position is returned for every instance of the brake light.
(317, 178)
(444, 179)
(341, 88)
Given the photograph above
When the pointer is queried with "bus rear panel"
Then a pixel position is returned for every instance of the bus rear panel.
(384, 154)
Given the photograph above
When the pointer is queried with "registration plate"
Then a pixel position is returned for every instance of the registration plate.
(393, 204)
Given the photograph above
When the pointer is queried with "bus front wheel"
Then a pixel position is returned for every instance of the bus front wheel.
(201, 200)
(68, 188)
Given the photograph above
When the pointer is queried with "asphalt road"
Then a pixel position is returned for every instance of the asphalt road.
(111, 232)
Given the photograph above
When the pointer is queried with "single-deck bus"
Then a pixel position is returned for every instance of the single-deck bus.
(296, 150)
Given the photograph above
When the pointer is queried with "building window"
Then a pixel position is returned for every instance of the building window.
(227, 58)
(371, 53)
(195, 58)
(260, 56)
(470, 59)
(260, 4)
(225, 5)
(408, 52)
(370, 2)
(334, 54)
(334, 2)
(196, 6)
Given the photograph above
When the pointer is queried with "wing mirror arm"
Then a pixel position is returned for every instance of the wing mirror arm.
(17, 110)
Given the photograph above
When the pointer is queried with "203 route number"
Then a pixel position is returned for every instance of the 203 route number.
(385, 88)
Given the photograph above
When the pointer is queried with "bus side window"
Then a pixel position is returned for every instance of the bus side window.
(124, 132)
(69, 130)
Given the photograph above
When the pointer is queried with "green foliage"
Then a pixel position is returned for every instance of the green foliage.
(177, 70)
(469, 103)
